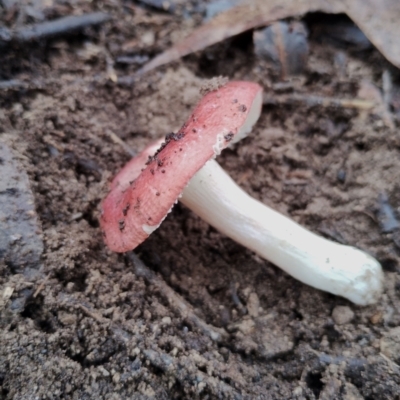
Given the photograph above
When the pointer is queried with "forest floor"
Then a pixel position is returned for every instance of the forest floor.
(203, 317)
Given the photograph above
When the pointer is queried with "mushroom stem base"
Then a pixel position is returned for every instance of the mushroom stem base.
(315, 261)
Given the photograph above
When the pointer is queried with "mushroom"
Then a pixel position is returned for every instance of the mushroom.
(183, 167)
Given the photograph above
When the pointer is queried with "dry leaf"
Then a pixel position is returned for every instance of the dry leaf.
(284, 45)
(379, 24)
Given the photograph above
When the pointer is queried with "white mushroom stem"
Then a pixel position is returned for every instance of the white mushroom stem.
(313, 260)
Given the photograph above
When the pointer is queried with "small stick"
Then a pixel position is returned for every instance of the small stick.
(165, 362)
(175, 300)
(117, 140)
(387, 89)
(312, 101)
(48, 29)
(92, 314)
(41, 286)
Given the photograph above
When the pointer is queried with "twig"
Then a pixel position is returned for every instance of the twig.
(167, 364)
(327, 359)
(112, 75)
(312, 101)
(236, 300)
(41, 286)
(118, 140)
(175, 300)
(48, 29)
(93, 315)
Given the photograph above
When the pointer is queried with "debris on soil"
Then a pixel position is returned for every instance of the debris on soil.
(177, 7)
(175, 301)
(215, 7)
(344, 34)
(342, 315)
(169, 5)
(21, 244)
(284, 45)
(385, 215)
(314, 100)
(382, 28)
(50, 29)
(213, 84)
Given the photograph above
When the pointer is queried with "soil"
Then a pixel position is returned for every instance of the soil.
(204, 317)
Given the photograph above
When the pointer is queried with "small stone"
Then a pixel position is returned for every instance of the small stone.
(148, 38)
(245, 326)
(147, 315)
(103, 371)
(7, 293)
(253, 305)
(135, 352)
(342, 315)
(116, 377)
(376, 318)
(274, 343)
(324, 341)
(70, 287)
(298, 391)
(66, 318)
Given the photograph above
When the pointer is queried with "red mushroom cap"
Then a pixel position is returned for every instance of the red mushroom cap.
(134, 167)
(143, 192)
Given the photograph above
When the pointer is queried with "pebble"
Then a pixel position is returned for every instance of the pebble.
(253, 305)
(103, 371)
(342, 315)
(66, 318)
(275, 343)
(376, 318)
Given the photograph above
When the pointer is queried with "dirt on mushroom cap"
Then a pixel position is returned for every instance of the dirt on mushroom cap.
(130, 212)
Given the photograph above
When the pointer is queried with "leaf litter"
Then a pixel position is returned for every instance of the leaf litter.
(380, 24)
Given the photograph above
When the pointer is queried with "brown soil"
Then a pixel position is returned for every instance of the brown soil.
(89, 325)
